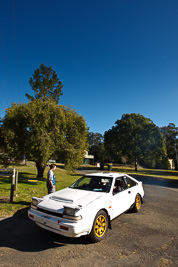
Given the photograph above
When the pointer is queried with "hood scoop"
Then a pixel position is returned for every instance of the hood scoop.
(61, 199)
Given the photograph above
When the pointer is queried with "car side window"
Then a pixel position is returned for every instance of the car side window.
(119, 185)
(130, 182)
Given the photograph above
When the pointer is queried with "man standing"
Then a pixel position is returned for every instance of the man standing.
(51, 179)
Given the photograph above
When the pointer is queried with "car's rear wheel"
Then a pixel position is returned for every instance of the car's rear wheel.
(100, 226)
(137, 204)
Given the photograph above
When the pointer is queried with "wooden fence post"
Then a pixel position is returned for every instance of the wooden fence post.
(16, 179)
(12, 186)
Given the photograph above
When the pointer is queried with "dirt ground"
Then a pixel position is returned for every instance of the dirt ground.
(147, 238)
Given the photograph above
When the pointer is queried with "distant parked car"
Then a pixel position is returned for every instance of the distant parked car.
(88, 206)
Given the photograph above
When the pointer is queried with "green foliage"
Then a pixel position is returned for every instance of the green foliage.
(45, 84)
(41, 128)
(96, 146)
(94, 139)
(170, 134)
(138, 138)
(13, 131)
(4, 160)
(112, 146)
(72, 151)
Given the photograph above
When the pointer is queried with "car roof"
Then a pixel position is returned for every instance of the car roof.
(107, 174)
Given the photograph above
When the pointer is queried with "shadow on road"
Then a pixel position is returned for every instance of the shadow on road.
(20, 233)
(156, 181)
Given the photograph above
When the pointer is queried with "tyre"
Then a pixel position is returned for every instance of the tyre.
(100, 227)
(137, 204)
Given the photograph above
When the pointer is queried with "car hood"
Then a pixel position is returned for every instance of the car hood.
(69, 197)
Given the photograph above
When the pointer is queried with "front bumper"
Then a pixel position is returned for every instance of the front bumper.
(59, 225)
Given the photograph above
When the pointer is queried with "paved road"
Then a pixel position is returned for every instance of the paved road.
(148, 238)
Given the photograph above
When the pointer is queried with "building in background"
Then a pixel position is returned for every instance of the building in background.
(89, 159)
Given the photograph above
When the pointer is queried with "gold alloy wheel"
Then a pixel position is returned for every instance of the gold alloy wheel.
(100, 226)
(138, 202)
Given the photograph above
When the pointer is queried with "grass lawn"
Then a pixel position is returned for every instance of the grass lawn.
(27, 189)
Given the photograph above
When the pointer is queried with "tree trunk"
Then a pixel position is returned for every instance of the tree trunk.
(40, 168)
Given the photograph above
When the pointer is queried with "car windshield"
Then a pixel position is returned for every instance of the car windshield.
(93, 183)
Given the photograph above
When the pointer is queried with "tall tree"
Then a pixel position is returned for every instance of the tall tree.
(96, 146)
(138, 138)
(3, 157)
(73, 149)
(170, 134)
(112, 145)
(41, 128)
(45, 84)
(94, 138)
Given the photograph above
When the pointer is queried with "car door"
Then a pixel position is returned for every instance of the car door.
(121, 200)
(132, 188)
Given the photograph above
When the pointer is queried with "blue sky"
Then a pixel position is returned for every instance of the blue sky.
(112, 56)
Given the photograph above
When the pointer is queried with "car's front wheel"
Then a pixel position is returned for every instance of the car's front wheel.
(100, 226)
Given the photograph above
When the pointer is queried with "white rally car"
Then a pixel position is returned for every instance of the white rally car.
(88, 206)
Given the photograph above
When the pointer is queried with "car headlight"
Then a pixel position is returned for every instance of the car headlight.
(69, 213)
(35, 202)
